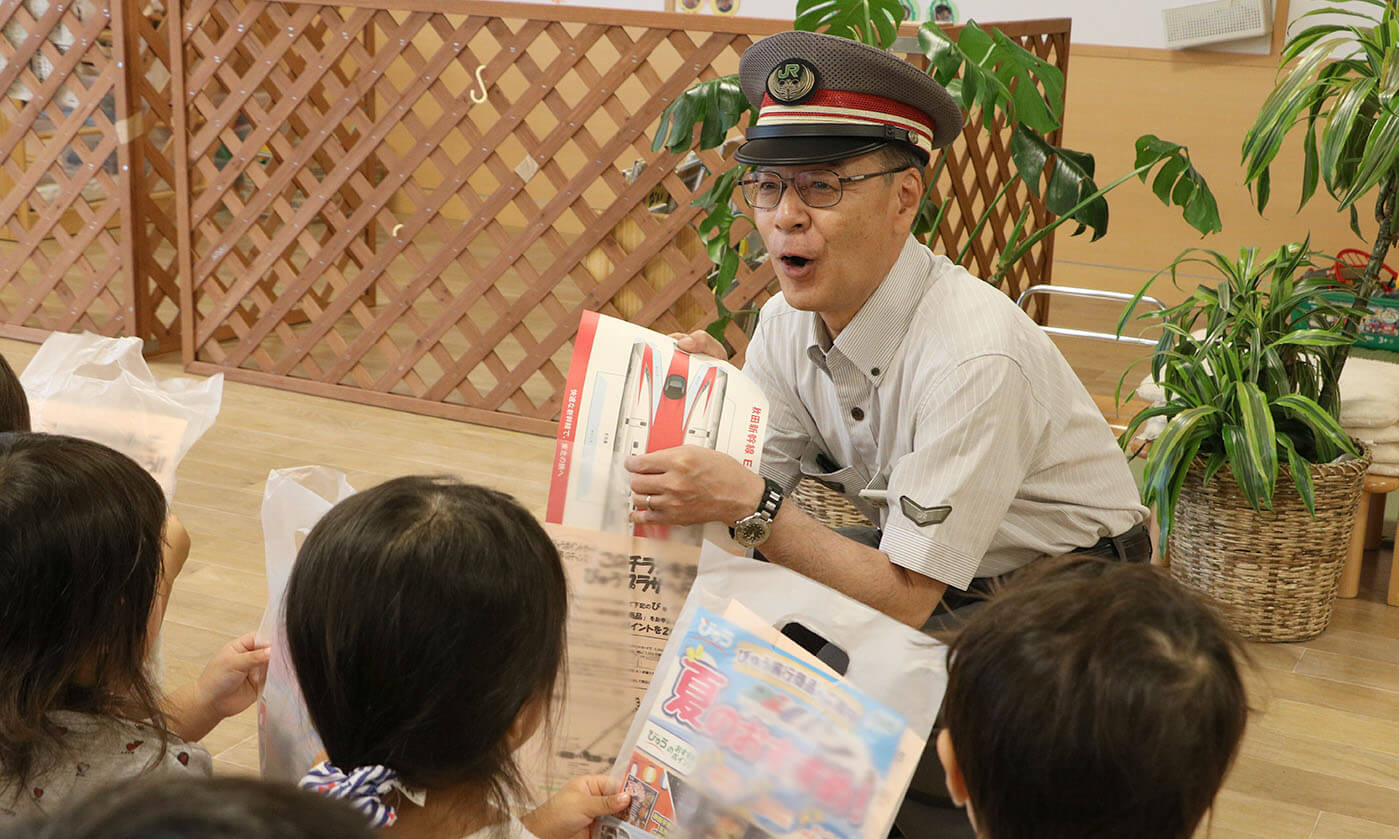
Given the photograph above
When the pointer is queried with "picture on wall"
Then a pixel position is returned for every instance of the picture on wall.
(708, 7)
(941, 11)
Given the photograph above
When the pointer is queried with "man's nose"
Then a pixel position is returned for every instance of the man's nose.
(791, 210)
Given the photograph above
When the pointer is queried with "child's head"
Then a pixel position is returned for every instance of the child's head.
(425, 619)
(80, 558)
(224, 808)
(14, 406)
(1091, 699)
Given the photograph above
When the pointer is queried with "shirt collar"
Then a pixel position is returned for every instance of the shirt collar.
(872, 338)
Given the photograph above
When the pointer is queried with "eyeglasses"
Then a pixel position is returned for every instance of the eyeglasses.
(817, 188)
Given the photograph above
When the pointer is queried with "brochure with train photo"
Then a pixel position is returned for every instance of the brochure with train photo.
(632, 391)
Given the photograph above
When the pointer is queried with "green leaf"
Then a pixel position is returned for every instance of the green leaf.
(1378, 159)
(717, 104)
(1037, 87)
(1279, 111)
(1070, 179)
(1170, 457)
(1312, 338)
(1189, 192)
(1322, 424)
(1246, 468)
(874, 22)
(1259, 433)
(1216, 460)
(1301, 473)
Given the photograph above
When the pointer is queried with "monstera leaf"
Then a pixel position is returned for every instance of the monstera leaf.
(1177, 182)
(717, 105)
(873, 22)
(1070, 189)
(990, 71)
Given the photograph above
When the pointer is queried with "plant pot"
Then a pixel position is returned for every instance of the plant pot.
(1273, 573)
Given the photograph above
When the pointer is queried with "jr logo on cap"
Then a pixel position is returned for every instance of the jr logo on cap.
(792, 81)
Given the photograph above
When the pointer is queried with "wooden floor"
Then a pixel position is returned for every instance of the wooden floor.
(1321, 758)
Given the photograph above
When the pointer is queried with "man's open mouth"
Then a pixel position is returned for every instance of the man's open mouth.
(795, 261)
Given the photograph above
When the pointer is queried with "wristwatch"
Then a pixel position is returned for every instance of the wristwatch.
(752, 531)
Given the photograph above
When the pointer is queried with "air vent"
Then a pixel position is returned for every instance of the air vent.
(1222, 20)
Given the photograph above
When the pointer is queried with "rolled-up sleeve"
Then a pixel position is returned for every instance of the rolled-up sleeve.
(785, 435)
(977, 432)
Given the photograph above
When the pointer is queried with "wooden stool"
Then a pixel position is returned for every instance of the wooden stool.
(1366, 536)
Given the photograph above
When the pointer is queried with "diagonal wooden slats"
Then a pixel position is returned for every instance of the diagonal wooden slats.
(373, 217)
(65, 198)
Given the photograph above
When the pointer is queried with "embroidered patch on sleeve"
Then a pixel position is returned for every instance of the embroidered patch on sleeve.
(923, 516)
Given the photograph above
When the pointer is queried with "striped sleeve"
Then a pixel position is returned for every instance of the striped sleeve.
(976, 436)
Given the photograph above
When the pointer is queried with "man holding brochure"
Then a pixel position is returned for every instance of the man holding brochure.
(919, 392)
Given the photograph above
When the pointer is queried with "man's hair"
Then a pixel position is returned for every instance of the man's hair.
(894, 155)
(1094, 699)
(185, 808)
(14, 407)
(81, 530)
(422, 616)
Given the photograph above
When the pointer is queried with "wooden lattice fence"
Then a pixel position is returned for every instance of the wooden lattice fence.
(410, 207)
(87, 226)
(64, 177)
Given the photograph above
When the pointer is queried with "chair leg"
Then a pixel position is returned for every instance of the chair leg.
(1375, 523)
(1349, 585)
(1393, 598)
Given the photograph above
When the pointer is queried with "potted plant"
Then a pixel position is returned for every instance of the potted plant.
(1341, 90)
(1244, 363)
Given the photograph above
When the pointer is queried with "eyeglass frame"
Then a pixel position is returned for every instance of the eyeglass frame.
(840, 179)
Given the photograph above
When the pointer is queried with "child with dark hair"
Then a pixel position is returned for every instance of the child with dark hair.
(14, 406)
(14, 416)
(81, 541)
(425, 620)
(1090, 700)
(187, 808)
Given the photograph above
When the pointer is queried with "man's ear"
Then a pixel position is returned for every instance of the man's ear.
(956, 784)
(909, 191)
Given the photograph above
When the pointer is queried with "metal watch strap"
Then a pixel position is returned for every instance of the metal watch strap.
(772, 499)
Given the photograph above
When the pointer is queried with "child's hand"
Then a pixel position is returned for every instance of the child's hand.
(230, 682)
(233, 678)
(572, 810)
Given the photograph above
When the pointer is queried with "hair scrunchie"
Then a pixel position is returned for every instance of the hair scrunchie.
(363, 789)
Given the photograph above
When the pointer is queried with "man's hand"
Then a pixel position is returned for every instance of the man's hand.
(691, 485)
(700, 342)
(572, 810)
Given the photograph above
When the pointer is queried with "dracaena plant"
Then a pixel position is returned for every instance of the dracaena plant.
(991, 76)
(1339, 83)
(1243, 362)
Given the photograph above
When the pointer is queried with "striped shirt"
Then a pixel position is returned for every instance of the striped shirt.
(944, 394)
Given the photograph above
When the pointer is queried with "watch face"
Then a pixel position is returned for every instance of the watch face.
(751, 531)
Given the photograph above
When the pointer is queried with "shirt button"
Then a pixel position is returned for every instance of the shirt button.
(874, 372)
(857, 413)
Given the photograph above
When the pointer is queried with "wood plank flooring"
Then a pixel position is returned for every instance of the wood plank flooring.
(1320, 760)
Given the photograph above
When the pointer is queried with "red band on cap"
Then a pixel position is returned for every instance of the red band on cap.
(872, 106)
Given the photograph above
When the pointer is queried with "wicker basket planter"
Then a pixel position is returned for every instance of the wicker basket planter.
(1273, 572)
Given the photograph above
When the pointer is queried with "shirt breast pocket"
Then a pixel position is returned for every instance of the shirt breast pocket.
(845, 481)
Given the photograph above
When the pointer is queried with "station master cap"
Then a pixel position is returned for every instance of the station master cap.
(823, 98)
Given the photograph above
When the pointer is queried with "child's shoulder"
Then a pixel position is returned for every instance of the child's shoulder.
(510, 829)
(97, 751)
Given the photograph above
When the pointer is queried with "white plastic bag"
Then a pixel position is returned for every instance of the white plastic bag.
(101, 389)
(744, 733)
(295, 499)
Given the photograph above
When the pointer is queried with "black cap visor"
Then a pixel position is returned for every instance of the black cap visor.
(798, 144)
